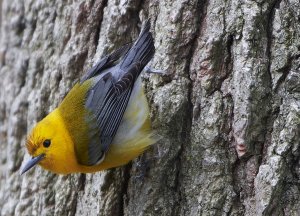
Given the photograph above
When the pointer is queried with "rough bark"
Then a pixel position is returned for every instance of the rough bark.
(227, 109)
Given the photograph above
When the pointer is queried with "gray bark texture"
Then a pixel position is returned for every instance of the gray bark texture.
(227, 108)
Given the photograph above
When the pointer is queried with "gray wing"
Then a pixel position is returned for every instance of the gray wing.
(109, 96)
(106, 62)
(108, 109)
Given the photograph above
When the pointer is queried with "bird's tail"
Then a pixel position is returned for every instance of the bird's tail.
(141, 51)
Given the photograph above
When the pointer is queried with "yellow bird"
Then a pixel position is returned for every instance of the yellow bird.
(103, 122)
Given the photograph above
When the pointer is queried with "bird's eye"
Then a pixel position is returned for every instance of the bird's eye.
(46, 143)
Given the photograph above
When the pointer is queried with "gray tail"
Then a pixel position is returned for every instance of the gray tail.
(141, 51)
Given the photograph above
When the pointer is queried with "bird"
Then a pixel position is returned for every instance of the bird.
(103, 122)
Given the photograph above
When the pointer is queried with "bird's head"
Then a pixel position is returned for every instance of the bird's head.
(44, 144)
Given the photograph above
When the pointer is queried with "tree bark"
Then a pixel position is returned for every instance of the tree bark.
(227, 108)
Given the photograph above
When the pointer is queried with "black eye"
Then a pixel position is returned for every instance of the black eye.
(46, 143)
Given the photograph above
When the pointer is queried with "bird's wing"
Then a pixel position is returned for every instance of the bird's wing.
(107, 109)
(105, 62)
(107, 98)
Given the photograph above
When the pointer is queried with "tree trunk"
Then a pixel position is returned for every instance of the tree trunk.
(227, 108)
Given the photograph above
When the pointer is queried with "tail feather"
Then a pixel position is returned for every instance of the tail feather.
(142, 50)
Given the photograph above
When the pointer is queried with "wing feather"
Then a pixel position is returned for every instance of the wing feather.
(108, 97)
(105, 62)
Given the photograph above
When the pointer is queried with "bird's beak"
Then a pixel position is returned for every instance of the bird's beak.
(32, 162)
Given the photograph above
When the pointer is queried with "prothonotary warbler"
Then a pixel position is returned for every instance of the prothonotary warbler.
(103, 122)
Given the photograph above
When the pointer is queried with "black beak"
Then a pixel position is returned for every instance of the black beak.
(32, 162)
